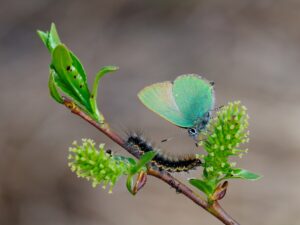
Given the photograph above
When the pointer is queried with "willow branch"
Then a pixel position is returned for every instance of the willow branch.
(214, 208)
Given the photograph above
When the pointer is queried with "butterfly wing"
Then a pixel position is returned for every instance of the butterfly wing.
(193, 95)
(159, 98)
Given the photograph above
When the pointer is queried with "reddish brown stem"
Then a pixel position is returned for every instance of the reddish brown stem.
(214, 208)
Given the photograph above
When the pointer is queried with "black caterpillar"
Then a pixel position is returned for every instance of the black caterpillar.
(163, 161)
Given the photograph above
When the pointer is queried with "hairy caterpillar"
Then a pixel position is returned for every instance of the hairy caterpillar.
(163, 161)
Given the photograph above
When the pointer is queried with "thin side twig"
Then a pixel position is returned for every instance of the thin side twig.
(215, 209)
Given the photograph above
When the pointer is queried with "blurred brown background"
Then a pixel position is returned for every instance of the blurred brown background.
(251, 49)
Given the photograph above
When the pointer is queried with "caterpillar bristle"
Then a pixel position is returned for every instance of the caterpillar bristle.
(163, 160)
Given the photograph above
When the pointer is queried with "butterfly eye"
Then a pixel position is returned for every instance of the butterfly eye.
(192, 132)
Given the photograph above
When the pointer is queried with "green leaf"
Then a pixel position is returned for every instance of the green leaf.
(131, 161)
(77, 64)
(127, 160)
(53, 88)
(202, 186)
(63, 65)
(66, 89)
(54, 39)
(93, 99)
(244, 174)
(51, 38)
(129, 183)
(146, 158)
(43, 36)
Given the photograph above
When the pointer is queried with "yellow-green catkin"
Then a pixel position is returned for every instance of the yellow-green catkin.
(96, 165)
(223, 137)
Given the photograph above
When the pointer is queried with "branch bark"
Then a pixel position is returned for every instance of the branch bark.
(214, 208)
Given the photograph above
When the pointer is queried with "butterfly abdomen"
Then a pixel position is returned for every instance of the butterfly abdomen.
(162, 160)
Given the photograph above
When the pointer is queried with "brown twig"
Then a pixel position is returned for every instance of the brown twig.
(213, 208)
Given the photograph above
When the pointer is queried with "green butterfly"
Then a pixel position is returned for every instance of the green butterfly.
(187, 102)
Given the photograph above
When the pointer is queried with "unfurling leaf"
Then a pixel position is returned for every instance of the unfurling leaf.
(205, 187)
(70, 76)
(53, 88)
(145, 158)
(93, 97)
(244, 174)
(50, 38)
